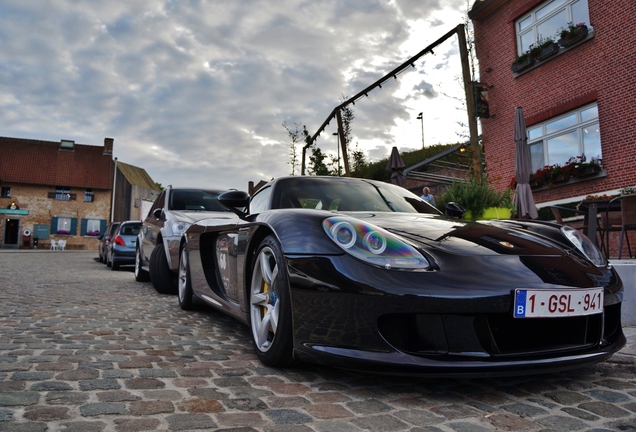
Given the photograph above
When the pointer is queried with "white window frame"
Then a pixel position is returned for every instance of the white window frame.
(580, 127)
(63, 224)
(530, 28)
(93, 225)
(88, 195)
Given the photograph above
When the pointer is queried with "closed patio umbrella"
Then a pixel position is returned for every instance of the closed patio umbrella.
(524, 202)
(395, 165)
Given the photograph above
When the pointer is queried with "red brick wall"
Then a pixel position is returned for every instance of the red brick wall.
(600, 69)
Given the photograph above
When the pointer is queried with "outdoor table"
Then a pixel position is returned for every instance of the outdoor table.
(593, 208)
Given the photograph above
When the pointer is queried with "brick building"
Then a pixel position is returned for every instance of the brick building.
(63, 191)
(577, 96)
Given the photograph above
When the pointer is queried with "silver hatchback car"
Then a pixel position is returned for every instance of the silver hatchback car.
(157, 251)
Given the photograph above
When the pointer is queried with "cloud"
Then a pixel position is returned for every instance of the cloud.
(196, 91)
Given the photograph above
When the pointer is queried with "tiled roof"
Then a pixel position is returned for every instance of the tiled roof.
(44, 163)
(137, 176)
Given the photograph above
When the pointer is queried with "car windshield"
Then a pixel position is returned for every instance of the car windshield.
(347, 195)
(195, 200)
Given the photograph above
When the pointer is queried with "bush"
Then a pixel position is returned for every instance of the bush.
(475, 197)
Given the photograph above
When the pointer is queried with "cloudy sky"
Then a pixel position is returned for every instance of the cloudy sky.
(196, 91)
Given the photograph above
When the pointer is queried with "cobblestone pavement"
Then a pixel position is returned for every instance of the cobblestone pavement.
(84, 348)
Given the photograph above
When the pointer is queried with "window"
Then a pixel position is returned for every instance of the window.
(62, 193)
(573, 134)
(547, 20)
(63, 225)
(93, 226)
(6, 192)
(88, 195)
(260, 200)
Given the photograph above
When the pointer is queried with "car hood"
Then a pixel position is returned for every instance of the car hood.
(464, 238)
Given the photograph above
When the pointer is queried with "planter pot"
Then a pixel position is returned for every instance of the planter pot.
(491, 213)
(592, 170)
(579, 35)
(548, 51)
(522, 65)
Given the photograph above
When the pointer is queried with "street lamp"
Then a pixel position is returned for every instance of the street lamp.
(420, 116)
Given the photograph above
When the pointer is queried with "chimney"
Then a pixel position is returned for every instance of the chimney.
(67, 145)
(108, 146)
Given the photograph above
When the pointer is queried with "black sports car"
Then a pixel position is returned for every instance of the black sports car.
(365, 275)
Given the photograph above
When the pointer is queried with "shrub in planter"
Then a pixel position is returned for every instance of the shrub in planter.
(476, 198)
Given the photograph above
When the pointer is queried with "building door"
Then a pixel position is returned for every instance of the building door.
(11, 233)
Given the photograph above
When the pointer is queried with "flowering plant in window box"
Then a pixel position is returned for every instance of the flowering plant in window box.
(92, 233)
(63, 232)
(576, 167)
(522, 62)
(572, 34)
(544, 49)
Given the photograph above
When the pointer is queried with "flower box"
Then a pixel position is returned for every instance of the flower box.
(573, 35)
(491, 213)
(520, 65)
(548, 51)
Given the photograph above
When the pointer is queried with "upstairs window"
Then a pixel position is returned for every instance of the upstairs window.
(88, 195)
(555, 141)
(546, 21)
(6, 192)
(62, 193)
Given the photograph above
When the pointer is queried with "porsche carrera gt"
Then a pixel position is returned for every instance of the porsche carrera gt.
(365, 275)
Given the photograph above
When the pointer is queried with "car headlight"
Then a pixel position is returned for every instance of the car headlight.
(373, 244)
(583, 243)
(178, 228)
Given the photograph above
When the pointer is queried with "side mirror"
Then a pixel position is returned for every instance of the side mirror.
(157, 213)
(237, 202)
(454, 210)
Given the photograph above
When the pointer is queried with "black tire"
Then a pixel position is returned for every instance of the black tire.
(184, 292)
(114, 265)
(160, 275)
(100, 258)
(270, 306)
(108, 261)
(141, 275)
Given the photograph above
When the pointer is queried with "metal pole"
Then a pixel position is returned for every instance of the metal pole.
(112, 204)
(421, 117)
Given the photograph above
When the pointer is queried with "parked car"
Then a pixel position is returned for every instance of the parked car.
(121, 249)
(366, 275)
(157, 251)
(104, 240)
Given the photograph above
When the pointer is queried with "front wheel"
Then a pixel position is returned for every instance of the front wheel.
(184, 284)
(160, 275)
(270, 306)
(141, 275)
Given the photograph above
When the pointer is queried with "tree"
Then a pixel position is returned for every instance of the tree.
(358, 159)
(317, 164)
(297, 136)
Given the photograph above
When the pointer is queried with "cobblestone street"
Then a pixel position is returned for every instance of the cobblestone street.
(85, 348)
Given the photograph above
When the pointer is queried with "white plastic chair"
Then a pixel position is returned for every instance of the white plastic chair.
(53, 245)
(61, 245)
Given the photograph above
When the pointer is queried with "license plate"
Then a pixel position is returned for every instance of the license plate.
(561, 303)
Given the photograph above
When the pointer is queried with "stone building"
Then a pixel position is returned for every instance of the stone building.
(62, 191)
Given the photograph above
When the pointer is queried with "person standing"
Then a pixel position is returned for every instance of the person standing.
(428, 196)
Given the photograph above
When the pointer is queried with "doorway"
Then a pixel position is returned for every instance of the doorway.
(11, 234)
